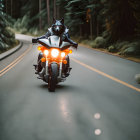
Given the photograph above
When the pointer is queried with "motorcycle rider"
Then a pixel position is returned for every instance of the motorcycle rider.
(58, 28)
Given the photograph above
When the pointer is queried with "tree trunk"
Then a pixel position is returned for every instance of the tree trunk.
(80, 30)
(54, 8)
(11, 7)
(48, 11)
(58, 16)
(6, 6)
(97, 28)
(91, 28)
(40, 20)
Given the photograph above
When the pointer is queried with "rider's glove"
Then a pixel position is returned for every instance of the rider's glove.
(34, 40)
(75, 45)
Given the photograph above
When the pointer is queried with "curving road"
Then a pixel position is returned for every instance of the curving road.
(99, 101)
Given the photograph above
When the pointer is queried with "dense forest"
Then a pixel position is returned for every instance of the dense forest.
(7, 37)
(110, 24)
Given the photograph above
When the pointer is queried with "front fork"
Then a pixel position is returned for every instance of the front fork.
(47, 68)
(59, 70)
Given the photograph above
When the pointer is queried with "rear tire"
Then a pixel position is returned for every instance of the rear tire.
(53, 77)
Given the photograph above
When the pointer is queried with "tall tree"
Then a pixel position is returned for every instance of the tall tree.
(11, 8)
(48, 11)
(6, 36)
(136, 12)
(6, 6)
(57, 12)
(40, 20)
(120, 20)
(54, 8)
(76, 17)
(61, 8)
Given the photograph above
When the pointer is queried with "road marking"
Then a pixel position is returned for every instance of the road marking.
(97, 116)
(16, 61)
(13, 62)
(106, 75)
(97, 132)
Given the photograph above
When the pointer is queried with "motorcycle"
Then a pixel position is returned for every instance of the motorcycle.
(54, 61)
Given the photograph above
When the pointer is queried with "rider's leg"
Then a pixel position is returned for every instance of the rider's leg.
(39, 67)
(67, 68)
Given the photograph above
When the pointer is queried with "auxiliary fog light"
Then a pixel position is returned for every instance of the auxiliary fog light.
(46, 52)
(55, 52)
(63, 54)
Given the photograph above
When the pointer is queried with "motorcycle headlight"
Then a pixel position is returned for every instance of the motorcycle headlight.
(55, 52)
(63, 54)
(46, 52)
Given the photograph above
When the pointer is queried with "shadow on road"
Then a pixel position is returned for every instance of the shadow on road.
(59, 87)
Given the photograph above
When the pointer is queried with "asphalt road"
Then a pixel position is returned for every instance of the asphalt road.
(100, 100)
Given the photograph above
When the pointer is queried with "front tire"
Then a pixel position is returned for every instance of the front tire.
(53, 77)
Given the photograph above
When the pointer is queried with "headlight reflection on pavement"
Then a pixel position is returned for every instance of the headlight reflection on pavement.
(64, 109)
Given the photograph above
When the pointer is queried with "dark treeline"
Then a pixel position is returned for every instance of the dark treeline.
(114, 20)
(84, 18)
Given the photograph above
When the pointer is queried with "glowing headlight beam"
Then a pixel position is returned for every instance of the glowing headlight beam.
(63, 54)
(55, 52)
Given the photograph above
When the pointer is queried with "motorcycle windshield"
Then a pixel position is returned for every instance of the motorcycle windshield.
(54, 41)
(64, 44)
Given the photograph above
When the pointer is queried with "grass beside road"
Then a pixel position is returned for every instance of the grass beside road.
(98, 45)
(132, 58)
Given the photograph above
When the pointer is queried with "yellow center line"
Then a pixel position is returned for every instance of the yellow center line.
(106, 75)
(14, 61)
(11, 65)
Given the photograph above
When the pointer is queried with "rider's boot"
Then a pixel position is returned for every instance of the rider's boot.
(38, 67)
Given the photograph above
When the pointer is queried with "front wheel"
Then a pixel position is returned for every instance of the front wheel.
(53, 77)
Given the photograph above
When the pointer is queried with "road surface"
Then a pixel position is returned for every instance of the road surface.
(100, 100)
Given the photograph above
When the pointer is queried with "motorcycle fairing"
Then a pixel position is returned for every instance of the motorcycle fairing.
(55, 42)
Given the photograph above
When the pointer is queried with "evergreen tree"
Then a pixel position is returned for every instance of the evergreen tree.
(136, 12)
(2, 26)
(96, 18)
(76, 17)
(120, 20)
(6, 36)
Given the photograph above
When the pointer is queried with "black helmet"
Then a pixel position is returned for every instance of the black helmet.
(58, 27)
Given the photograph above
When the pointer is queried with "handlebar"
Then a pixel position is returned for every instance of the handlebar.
(34, 40)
